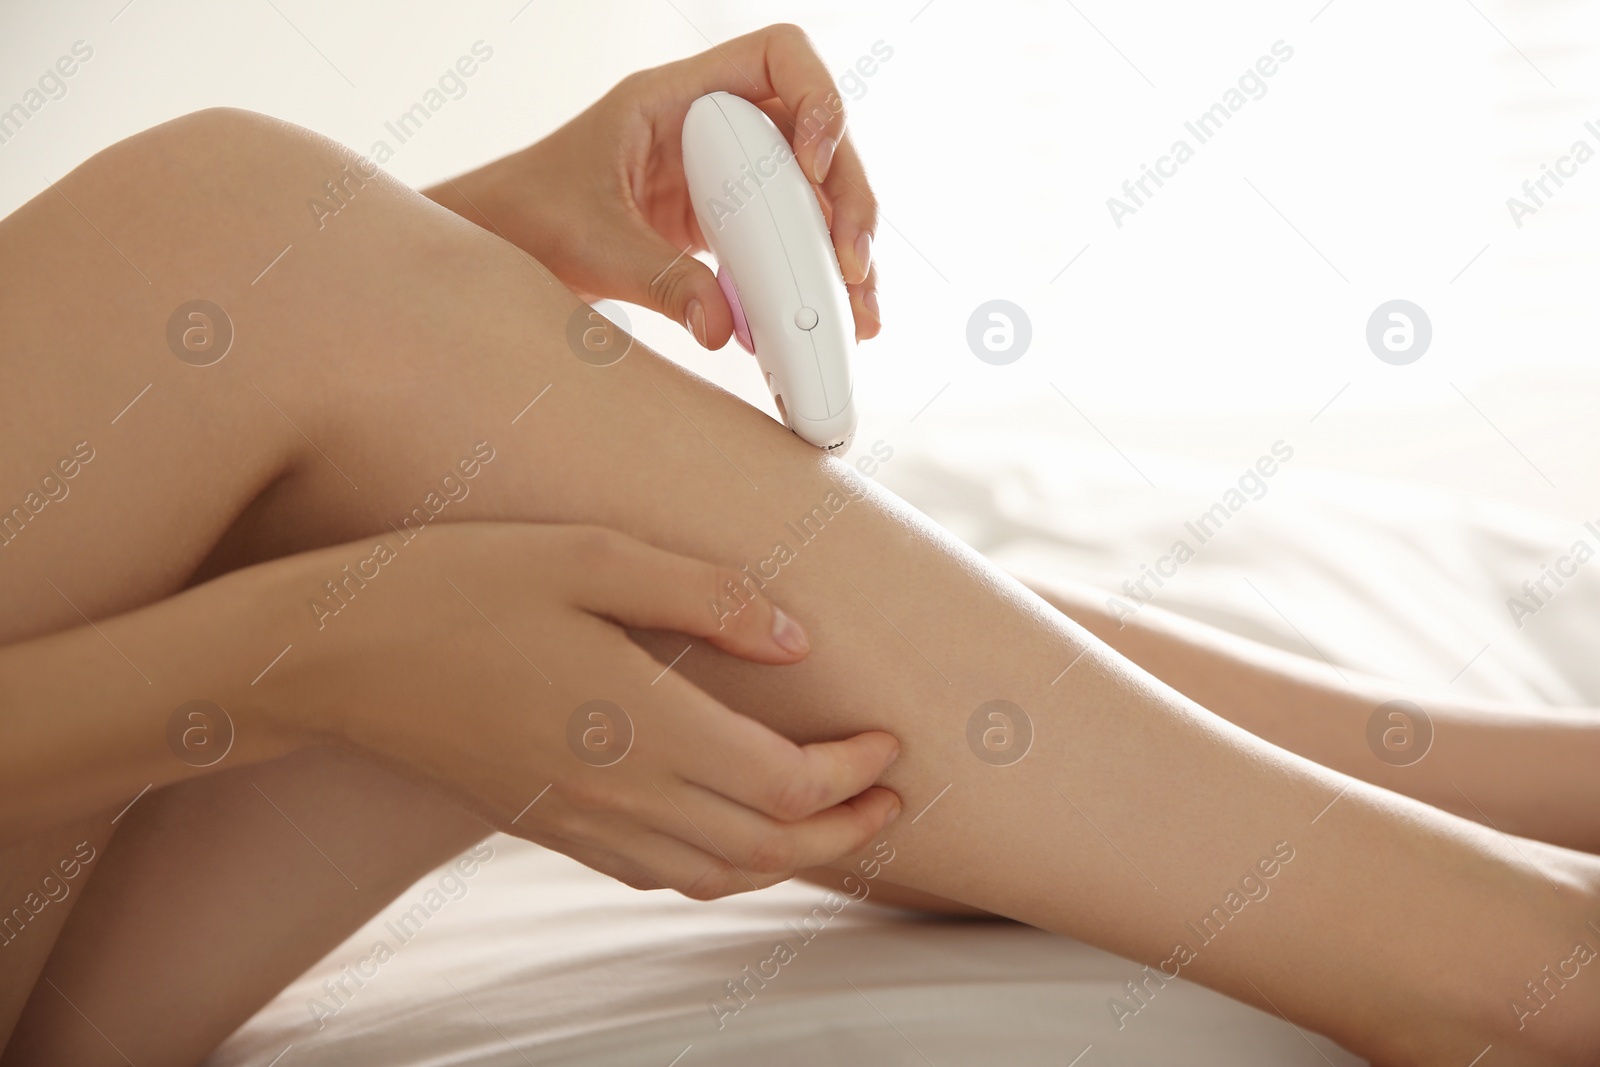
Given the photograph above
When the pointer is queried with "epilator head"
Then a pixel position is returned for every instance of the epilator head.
(775, 263)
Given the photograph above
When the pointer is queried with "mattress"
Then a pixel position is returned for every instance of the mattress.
(537, 960)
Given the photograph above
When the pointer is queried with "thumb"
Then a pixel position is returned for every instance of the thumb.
(670, 280)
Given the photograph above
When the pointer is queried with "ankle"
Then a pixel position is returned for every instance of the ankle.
(1549, 1010)
(1537, 1004)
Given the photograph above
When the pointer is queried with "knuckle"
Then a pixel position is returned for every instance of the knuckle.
(837, 109)
(798, 795)
(820, 113)
(791, 33)
(730, 589)
(639, 880)
(670, 288)
(716, 879)
(631, 86)
(585, 793)
(865, 831)
(859, 204)
(626, 803)
(723, 576)
(775, 853)
(627, 95)
(865, 211)
(592, 546)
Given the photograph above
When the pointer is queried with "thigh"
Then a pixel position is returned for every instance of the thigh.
(84, 333)
(38, 896)
(218, 894)
(126, 453)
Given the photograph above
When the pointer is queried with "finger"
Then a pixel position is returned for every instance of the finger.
(697, 871)
(780, 61)
(610, 863)
(864, 306)
(855, 212)
(753, 765)
(647, 860)
(848, 205)
(639, 585)
(777, 61)
(760, 845)
(614, 830)
(668, 279)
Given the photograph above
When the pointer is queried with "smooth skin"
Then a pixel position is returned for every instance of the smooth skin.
(376, 354)
(1526, 771)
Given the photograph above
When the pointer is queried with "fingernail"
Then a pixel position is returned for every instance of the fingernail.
(695, 319)
(869, 300)
(824, 158)
(894, 813)
(788, 633)
(864, 254)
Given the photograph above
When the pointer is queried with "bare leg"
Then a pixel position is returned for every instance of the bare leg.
(398, 340)
(1526, 771)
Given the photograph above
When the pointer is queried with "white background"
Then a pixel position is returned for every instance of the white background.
(1226, 313)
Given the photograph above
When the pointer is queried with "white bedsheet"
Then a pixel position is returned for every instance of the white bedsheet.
(544, 962)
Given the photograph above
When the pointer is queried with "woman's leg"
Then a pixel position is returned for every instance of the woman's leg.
(1136, 820)
(278, 861)
(1525, 771)
(221, 892)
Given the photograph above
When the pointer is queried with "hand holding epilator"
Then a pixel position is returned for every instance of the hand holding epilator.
(775, 264)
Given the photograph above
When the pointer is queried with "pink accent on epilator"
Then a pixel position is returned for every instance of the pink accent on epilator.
(741, 328)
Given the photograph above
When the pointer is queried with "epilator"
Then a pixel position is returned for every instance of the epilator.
(775, 263)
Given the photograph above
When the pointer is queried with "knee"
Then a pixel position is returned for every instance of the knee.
(219, 192)
(218, 127)
(195, 161)
(338, 274)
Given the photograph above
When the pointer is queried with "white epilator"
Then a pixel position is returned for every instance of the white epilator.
(775, 263)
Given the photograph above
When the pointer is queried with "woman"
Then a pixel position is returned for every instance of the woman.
(398, 539)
